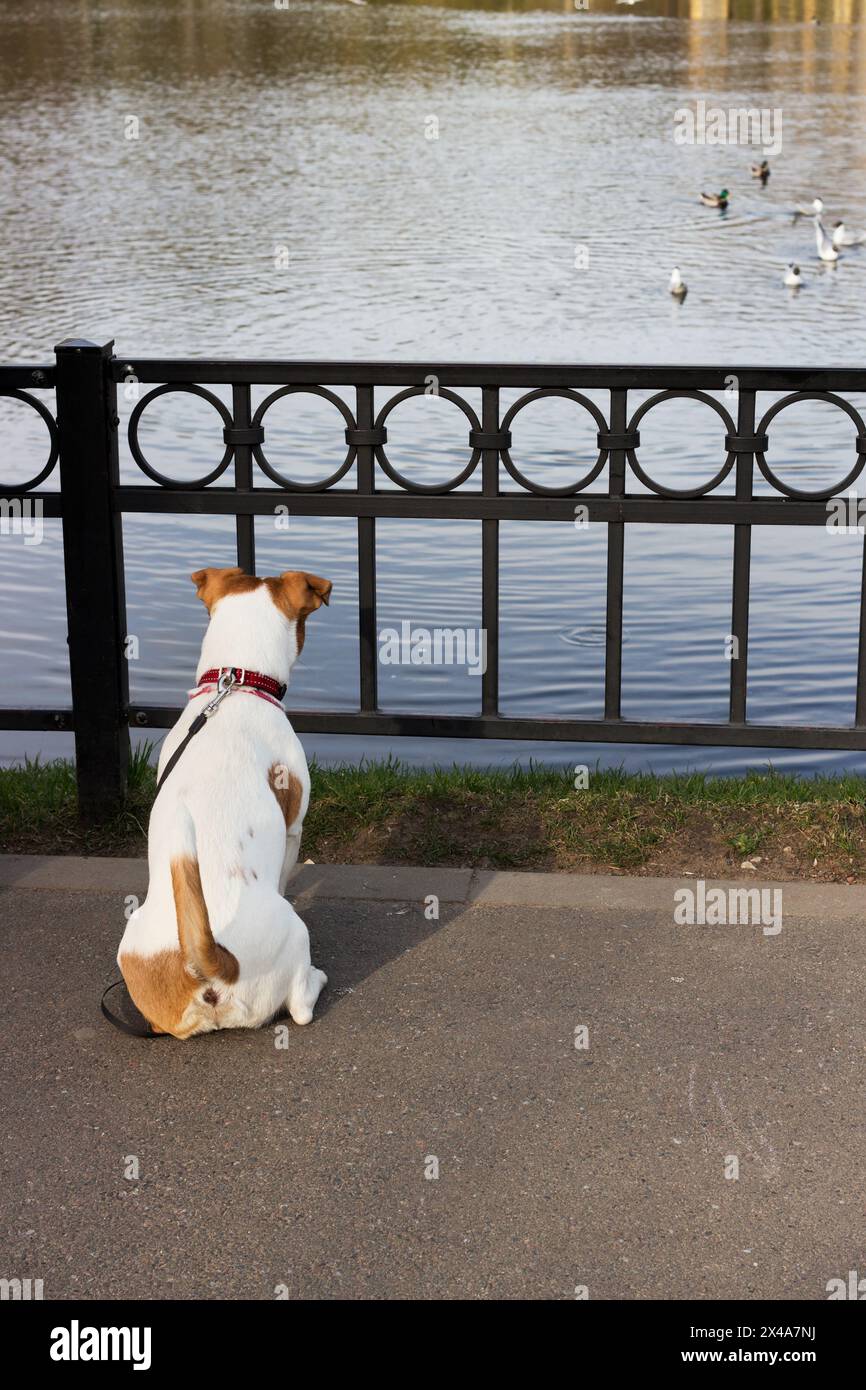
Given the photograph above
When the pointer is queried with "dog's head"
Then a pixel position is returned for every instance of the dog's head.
(257, 622)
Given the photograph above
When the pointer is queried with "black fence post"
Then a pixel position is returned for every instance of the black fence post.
(742, 565)
(368, 647)
(615, 563)
(245, 526)
(490, 555)
(93, 557)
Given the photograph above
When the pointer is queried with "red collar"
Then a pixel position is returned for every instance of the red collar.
(253, 680)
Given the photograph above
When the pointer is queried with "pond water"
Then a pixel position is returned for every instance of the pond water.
(457, 182)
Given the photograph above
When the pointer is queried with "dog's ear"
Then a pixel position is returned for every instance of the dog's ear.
(211, 583)
(303, 593)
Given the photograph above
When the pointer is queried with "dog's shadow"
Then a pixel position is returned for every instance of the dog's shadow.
(351, 940)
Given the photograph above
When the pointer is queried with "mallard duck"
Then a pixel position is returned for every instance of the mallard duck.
(678, 286)
(793, 278)
(715, 200)
(826, 250)
(761, 171)
(843, 238)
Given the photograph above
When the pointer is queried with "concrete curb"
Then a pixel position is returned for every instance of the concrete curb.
(74, 874)
(478, 887)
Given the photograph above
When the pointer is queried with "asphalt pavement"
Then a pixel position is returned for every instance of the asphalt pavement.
(551, 1090)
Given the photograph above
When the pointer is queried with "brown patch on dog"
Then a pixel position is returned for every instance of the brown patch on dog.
(212, 584)
(295, 593)
(200, 951)
(162, 989)
(298, 594)
(164, 985)
(288, 791)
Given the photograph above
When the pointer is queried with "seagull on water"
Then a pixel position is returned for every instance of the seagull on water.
(843, 238)
(826, 250)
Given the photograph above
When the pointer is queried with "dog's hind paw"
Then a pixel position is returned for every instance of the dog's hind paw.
(302, 1001)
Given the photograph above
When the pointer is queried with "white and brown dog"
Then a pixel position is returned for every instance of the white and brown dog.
(215, 944)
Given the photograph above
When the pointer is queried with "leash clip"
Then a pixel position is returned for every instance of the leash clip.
(224, 684)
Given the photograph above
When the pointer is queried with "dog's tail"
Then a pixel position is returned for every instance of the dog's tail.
(204, 956)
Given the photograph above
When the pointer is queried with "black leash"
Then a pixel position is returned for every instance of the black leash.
(121, 1023)
(224, 685)
(195, 727)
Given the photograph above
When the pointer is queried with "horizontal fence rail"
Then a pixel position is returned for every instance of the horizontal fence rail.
(491, 486)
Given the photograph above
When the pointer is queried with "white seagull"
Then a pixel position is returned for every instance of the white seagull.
(678, 286)
(826, 250)
(843, 238)
(815, 208)
(793, 278)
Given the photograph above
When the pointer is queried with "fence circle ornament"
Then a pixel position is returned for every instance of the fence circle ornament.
(51, 425)
(539, 488)
(135, 447)
(267, 467)
(395, 475)
(658, 488)
(797, 493)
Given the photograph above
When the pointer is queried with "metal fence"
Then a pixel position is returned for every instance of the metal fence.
(91, 501)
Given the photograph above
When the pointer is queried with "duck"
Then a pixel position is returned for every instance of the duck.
(815, 208)
(761, 171)
(678, 287)
(793, 278)
(826, 250)
(715, 200)
(843, 238)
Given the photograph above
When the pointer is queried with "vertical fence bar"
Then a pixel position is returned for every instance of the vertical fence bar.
(742, 566)
(93, 558)
(368, 652)
(244, 525)
(490, 555)
(615, 560)
(860, 714)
